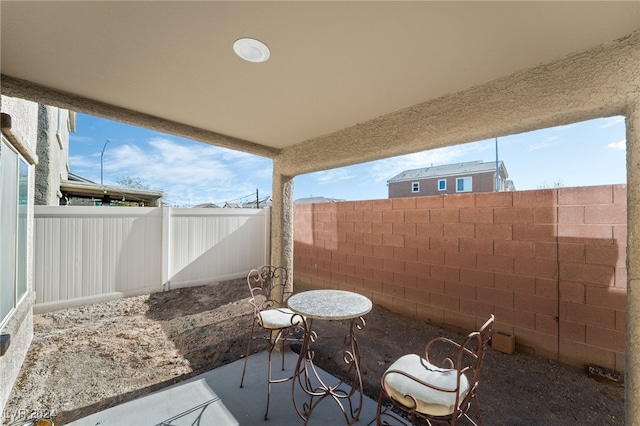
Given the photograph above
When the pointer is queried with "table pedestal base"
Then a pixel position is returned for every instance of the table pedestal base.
(316, 390)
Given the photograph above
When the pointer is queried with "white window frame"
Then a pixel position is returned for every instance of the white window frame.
(445, 184)
(415, 187)
(14, 250)
(464, 180)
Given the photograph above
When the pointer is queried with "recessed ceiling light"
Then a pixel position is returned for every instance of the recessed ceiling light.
(251, 50)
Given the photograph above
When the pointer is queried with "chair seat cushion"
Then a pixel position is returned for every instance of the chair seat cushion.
(279, 318)
(430, 401)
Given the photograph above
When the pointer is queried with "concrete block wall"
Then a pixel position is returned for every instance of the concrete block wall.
(550, 264)
(592, 243)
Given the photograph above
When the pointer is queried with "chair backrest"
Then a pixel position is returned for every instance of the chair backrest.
(268, 284)
(471, 355)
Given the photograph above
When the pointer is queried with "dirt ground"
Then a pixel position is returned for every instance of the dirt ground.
(89, 358)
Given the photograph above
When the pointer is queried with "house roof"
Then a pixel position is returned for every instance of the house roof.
(170, 66)
(314, 200)
(469, 167)
(206, 206)
(262, 202)
(232, 206)
(87, 189)
(77, 178)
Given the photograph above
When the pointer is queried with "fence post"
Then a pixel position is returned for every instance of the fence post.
(267, 235)
(166, 240)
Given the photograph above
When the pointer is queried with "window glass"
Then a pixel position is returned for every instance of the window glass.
(415, 187)
(442, 184)
(21, 243)
(463, 184)
(8, 225)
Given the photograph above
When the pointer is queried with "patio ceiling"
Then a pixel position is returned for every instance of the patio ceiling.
(333, 64)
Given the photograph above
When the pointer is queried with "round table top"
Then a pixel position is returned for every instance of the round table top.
(329, 304)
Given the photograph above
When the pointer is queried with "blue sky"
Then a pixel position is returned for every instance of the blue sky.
(580, 154)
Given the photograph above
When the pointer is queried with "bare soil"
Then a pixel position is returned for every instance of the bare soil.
(86, 359)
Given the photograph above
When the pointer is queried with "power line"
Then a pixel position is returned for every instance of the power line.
(252, 195)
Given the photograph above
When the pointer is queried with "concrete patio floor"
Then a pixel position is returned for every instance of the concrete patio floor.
(215, 398)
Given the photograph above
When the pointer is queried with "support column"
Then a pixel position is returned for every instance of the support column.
(632, 350)
(282, 222)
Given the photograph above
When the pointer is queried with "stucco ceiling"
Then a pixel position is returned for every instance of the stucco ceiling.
(332, 65)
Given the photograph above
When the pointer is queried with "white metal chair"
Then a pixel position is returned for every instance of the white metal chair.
(438, 394)
(267, 285)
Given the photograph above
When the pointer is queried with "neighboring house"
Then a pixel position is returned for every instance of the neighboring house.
(258, 204)
(315, 200)
(232, 206)
(472, 176)
(78, 191)
(206, 206)
(18, 161)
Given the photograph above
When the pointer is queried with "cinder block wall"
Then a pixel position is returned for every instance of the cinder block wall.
(550, 264)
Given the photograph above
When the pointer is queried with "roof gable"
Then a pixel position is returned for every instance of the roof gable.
(469, 167)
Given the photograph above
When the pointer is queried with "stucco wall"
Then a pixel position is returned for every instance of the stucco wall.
(24, 118)
(52, 149)
(550, 264)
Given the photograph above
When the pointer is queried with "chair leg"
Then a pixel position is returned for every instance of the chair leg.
(475, 402)
(387, 415)
(246, 356)
(277, 340)
(270, 349)
(379, 408)
(282, 350)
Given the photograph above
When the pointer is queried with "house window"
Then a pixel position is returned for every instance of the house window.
(463, 184)
(442, 184)
(14, 196)
(415, 187)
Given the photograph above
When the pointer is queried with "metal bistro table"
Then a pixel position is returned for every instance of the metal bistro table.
(329, 305)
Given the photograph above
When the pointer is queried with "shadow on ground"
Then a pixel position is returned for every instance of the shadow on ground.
(86, 359)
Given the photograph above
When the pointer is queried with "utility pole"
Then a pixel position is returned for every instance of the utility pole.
(102, 161)
(497, 169)
(257, 199)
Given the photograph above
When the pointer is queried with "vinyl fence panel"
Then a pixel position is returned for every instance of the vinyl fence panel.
(89, 254)
(212, 245)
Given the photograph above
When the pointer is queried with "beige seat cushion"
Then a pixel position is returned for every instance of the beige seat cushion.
(279, 318)
(430, 401)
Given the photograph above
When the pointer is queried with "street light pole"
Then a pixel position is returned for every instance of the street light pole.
(497, 169)
(102, 160)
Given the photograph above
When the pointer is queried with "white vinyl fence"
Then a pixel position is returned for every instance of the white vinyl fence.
(89, 254)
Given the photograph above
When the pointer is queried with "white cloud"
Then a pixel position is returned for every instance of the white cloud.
(611, 121)
(333, 175)
(189, 174)
(79, 162)
(263, 170)
(618, 145)
(547, 142)
(81, 139)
